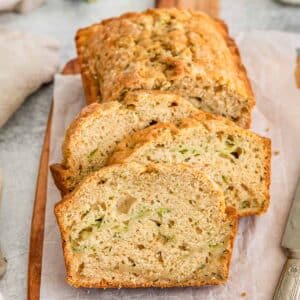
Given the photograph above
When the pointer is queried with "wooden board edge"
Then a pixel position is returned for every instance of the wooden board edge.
(38, 219)
(39, 207)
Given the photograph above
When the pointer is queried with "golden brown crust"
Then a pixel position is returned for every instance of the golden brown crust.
(114, 89)
(268, 148)
(59, 173)
(89, 85)
(68, 199)
(107, 284)
(232, 214)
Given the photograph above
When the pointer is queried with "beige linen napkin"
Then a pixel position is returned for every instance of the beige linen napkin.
(22, 6)
(26, 62)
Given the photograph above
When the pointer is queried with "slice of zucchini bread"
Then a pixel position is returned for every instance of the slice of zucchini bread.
(235, 158)
(132, 225)
(186, 52)
(92, 136)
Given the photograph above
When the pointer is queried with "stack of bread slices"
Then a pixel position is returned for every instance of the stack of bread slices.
(160, 165)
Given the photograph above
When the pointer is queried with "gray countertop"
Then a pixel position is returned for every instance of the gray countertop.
(21, 138)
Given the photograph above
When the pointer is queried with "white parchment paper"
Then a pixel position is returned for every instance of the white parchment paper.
(257, 257)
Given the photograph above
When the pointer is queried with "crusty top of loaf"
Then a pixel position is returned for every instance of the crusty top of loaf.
(168, 49)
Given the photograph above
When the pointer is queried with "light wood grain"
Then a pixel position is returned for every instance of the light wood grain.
(38, 220)
(38, 215)
(211, 7)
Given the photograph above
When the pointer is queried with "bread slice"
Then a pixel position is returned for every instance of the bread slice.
(186, 52)
(235, 158)
(92, 136)
(132, 225)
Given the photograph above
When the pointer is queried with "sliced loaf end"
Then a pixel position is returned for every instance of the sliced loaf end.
(146, 226)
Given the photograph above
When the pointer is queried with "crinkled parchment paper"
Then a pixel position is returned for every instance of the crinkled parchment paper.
(257, 258)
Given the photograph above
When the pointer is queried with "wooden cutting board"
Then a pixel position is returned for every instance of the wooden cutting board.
(38, 217)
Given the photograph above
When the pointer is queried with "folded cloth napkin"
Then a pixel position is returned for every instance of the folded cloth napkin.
(22, 6)
(26, 62)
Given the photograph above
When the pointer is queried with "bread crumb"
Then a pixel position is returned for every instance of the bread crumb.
(243, 294)
(267, 129)
(276, 152)
(159, 206)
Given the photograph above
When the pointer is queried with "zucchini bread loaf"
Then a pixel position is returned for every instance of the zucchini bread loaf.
(234, 158)
(133, 225)
(92, 136)
(186, 52)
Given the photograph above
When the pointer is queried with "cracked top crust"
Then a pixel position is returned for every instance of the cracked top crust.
(185, 52)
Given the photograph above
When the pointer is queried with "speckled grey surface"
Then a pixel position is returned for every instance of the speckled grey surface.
(21, 138)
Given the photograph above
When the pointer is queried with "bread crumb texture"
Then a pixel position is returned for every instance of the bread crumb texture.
(237, 160)
(135, 225)
(185, 52)
(93, 135)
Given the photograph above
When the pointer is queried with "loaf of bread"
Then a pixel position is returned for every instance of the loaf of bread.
(135, 225)
(235, 158)
(92, 136)
(186, 52)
